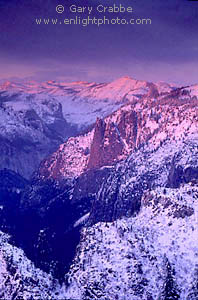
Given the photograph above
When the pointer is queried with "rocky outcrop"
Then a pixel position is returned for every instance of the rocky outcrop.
(179, 175)
(96, 153)
(112, 140)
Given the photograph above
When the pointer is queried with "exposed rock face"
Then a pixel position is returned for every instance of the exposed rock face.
(118, 258)
(110, 140)
(179, 175)
(96, 157)
(37, 118)
(175, 177)
(88, 184)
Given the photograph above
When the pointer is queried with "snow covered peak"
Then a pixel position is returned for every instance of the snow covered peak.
(8, 85)
(127, 81)
(128, 88)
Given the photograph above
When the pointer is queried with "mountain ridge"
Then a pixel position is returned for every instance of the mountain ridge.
(148, 120)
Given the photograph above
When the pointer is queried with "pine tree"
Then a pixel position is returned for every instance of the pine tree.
(171, 291)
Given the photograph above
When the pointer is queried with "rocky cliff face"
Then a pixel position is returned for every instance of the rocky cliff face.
(112, 140)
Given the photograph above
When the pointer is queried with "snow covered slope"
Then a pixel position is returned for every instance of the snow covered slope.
(153, 255)
(19, 279)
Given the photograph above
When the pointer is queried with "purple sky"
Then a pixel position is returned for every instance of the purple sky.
(166, 50)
